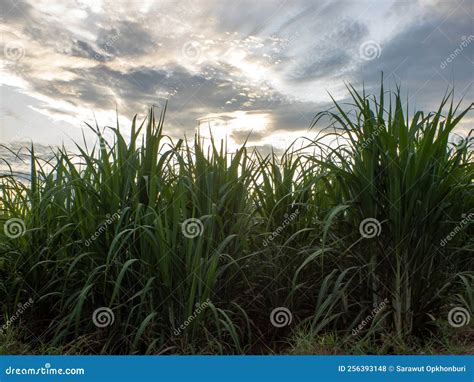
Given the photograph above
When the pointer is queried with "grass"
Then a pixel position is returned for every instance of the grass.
(105, 228)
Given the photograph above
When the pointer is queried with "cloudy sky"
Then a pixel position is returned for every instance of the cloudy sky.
(238, 66)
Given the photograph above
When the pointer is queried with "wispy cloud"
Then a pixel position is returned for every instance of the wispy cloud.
(268, 63)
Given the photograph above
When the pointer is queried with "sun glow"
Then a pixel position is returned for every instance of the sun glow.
(226, 126)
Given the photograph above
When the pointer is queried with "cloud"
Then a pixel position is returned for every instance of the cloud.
(125, 39)
(414, 58)
(85, 50)
(273, 58)
(14, 10)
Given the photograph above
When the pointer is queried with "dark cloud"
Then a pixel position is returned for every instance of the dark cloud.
(14, 10)
(312, 42)
(320, 66)
(189, 95)
(126, 38)
(330, 53)
(85, 50)
(84, 90)
(415, 59)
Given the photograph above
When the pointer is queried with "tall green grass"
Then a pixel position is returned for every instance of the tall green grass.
(277, 231)
(406, 174)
